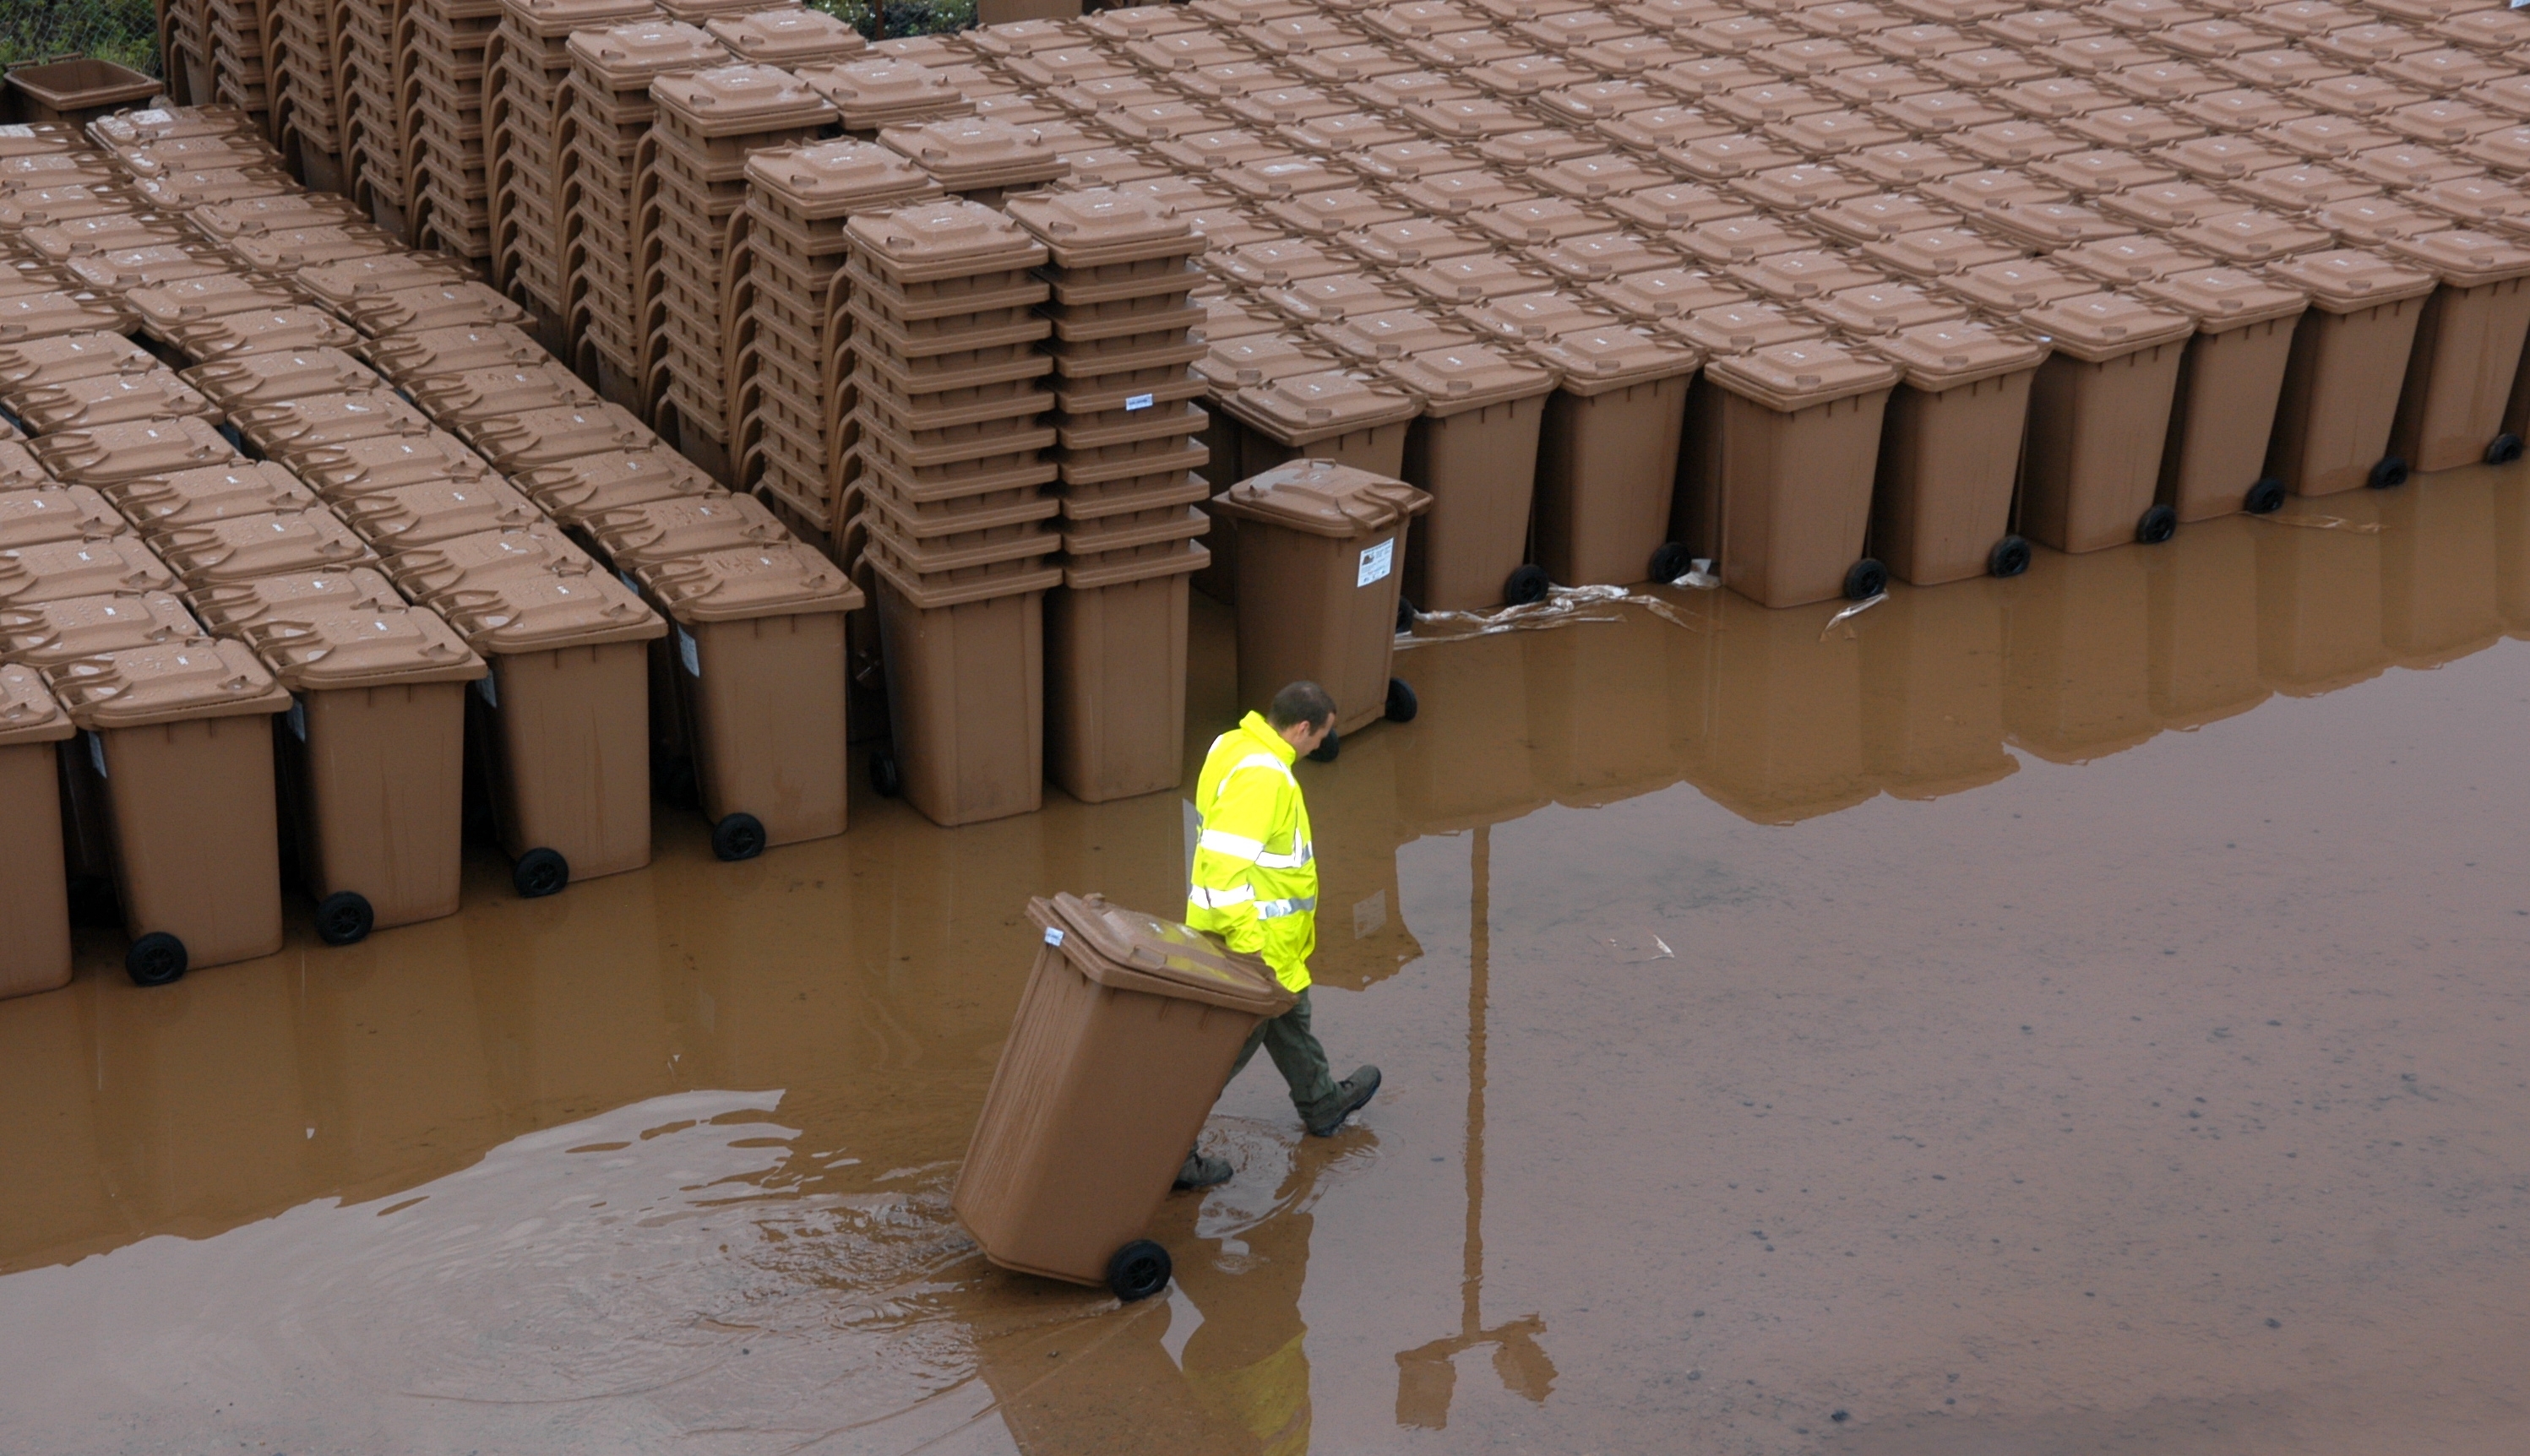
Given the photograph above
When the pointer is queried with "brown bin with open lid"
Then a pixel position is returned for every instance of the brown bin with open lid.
(1124, 1036)
(178, 745)
(1796, 435)
(1116, 668)
(757, 645)
(1318, 591)
(34, 900)
(2099, 413)
(2342, 381)
(2224, 412)
(966, 688)
(1949, 451)
(564, 717)
(1607, 457)
(374, 745)
(1474, 451)
(2468, 344)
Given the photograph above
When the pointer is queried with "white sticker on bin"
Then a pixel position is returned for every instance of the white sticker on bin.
(1137, 402)
(1053, 936)
(687, 653)
(1376, 562)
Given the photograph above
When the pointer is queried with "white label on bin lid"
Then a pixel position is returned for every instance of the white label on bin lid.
(689, 654)
(1376, 562)
(1053, 936)
(483, 686)
(299, 718)
(97, 753)
(1137, 402)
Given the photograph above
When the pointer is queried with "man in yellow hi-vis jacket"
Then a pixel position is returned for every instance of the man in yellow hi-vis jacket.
(1255, 885)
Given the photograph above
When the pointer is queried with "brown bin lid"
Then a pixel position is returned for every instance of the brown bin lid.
(168, 682)
(2225, 299)
(2221, 158)
(557, 20)
(1598, 360)
(1261, 357)
(2479, 201)
(28, 712)
(1941, 252)
(1675, 205)
(1785, 377)
(273, 378)
(1804, 275)
(657, 530)
(324, 651)
(82, 568)
(1951, 352)
(317, 419)
(2252, 237)
(625, 57)
(2373, 221)
(2131, 259)
(1742, 328)
(243, 546)
(61, 512)
(781, 578)
(1468, 376)
(2101, 326)
(1665, 293)
(211, 493)
(2463, 259)
(542, 437)
(2347, 280)
(353, 467)
(437, 510)
(1393, 244)
(126, 451)
(538, 611)
(577, 488)
(1098, 226)
(431, 571)
(434, 352)
(1323, 498)
(1884, 309)
(741, 100)
(353, 278)
(432, 307)
(782, 36)
(1127, 951)
(18, 467)
(73, 356)
(832, 178)
(60, 628)
(250, 331)
(949, 238)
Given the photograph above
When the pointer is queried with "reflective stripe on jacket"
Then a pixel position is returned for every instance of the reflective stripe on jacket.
(1255, 877)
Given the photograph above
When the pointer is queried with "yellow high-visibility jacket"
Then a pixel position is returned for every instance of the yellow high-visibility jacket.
(1255, 876)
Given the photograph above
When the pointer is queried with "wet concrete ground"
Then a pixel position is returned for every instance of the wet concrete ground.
(2077, 1014)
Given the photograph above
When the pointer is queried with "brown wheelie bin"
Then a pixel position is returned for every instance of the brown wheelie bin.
(177, 741)
(34, 902)
(1125, 1035)
(1607, 457)
(965, 699)
(2342, 384)
(2214, 463)
(563, 718)
(1474, 450)
(1950, 453)
(1318, 588)
(2098, 414)
(1333, 414)
(2468, 344)
(1116, 668)
(374, 745)
(1796, 438)
(756, 642)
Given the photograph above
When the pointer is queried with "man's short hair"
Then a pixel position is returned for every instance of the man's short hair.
(1299, 702)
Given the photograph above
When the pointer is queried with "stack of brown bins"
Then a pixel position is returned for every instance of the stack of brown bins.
(242, 35)
(185, 45)
(526, 92)
(1126, 453)
(308, 102)
(792, 400)
(693, 185)
(978, 157)
(376, 129)
(611, 74)
(444, 91)
(952, 462)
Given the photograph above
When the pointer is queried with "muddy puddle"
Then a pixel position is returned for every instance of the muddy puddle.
(2074, 1014)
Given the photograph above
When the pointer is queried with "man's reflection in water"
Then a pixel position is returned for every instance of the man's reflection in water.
(1247, 1364)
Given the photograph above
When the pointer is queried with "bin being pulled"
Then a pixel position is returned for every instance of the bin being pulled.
(1124, 1037)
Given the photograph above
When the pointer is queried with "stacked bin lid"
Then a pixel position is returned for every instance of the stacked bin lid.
(526, 96)
(442, 81)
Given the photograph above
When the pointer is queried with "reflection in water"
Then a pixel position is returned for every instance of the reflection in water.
(769, 1068)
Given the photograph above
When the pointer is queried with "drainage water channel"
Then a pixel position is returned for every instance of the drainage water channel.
(2069, 1014)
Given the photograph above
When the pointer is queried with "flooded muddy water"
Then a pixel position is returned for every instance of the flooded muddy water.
(2075, 1015)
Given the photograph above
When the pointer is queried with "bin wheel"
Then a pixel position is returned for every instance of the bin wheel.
(738, 837)
(2157, 525)
(2009, 557)
(1671, 561)
(885, 775)
(1404, 615)
(2265, 498)
(2389, 474)
(1864, 579)
(1139, 1271)
(1526, 584)
(2504, 449)
(1402, 706)
(344, 918)
(541, 873)
(1325, 754)
(155, 959)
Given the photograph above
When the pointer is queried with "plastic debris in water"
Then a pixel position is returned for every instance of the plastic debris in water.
(1856, 610)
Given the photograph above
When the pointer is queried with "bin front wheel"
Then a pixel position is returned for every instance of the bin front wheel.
(1139, 1271)
(2504, 449)
(541, 873)
(738, 837)
(344, 918)
(1526, 584)
(885, 775)
(1402, 706)
(2389, 473)
(1864, 579)
(155, 959)
(1671, 561)
(2009, 557)
(2157, 525)
(2265, 498)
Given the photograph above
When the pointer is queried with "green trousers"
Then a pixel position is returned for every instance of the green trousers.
(1297, 1055)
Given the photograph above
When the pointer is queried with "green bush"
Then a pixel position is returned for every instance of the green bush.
(124, 31)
